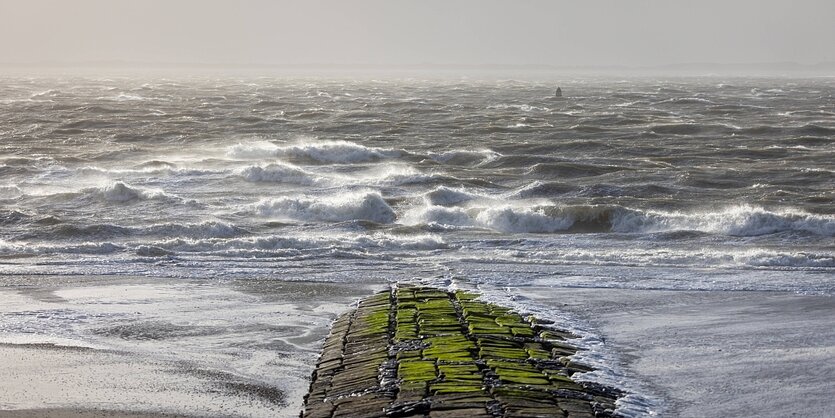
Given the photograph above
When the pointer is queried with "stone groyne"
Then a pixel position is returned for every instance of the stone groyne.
(419, 351)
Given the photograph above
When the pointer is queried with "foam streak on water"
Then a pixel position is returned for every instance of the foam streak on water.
(630, 183)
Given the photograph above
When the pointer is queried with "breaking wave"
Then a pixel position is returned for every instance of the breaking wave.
(366, 206)
(91, 248)
(312, 151)
(507, 219)
(736, 221)
(123, 192)
(767, 259)
(447, 196)
(279, 173)
(284, 245)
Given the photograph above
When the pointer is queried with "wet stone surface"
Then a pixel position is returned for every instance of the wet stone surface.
(417, 351)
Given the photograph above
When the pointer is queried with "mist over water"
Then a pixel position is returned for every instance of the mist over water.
(686, 183)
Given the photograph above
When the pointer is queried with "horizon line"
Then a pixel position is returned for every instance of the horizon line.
(116, 63)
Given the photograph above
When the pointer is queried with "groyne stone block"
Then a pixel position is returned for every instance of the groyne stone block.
(419, 351)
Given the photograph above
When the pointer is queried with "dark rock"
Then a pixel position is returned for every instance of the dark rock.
(417, 351)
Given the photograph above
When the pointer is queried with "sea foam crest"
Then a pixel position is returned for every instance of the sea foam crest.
(390, 174)
(367, 206)
(123, 192)
(741, 220)
(425, 242)
(216, 245)
(293, 245)
(94, 248)
(10, 192)
(279, 173)
(312, 151)
(519, 107)
(337, 152)
(510, 219)
(549, 218)
(501, 218)
(253, 150)
(800, 259)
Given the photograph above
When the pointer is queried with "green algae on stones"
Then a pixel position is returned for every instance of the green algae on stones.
(428, 352)
(449, 348)
(416, 371)
(455, 387)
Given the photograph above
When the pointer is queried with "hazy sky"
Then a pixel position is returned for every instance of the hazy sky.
(393, 32)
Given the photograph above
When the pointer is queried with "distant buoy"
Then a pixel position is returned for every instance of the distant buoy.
(558, 93)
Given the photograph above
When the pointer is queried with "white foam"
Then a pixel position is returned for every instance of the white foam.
(279, 173)
(520, 107)
(425, 242)
(363, 205)
(537, 216)
(218, 245)
(686, 100)
(760, 258)
(594, 352)
(338, 152)
(81, 248)
(253, 150)
(439, 216)
(510, 219)
(10, 192)
(388, 174)
(294, 244)
(123, 192)
(154, 169)
(124, 97)
(743, 220)
(315, 150)
(498, 217)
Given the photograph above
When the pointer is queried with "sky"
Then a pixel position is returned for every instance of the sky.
(402, 33)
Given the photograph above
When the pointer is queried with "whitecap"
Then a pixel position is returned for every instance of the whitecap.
(312, 151)
(786, 259)
(439, 216)
(367, 205)
(337, 152)
(10, 192)
(123, 192)
(279, 173)
(740, 220)
(509, 219)
(500, 217)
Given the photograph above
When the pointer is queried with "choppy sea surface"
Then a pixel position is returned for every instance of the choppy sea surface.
(686, 183)
(702, 183)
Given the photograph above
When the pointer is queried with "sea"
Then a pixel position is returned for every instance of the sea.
(679, 183)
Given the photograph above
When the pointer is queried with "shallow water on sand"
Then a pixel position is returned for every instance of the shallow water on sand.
(153, 345)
